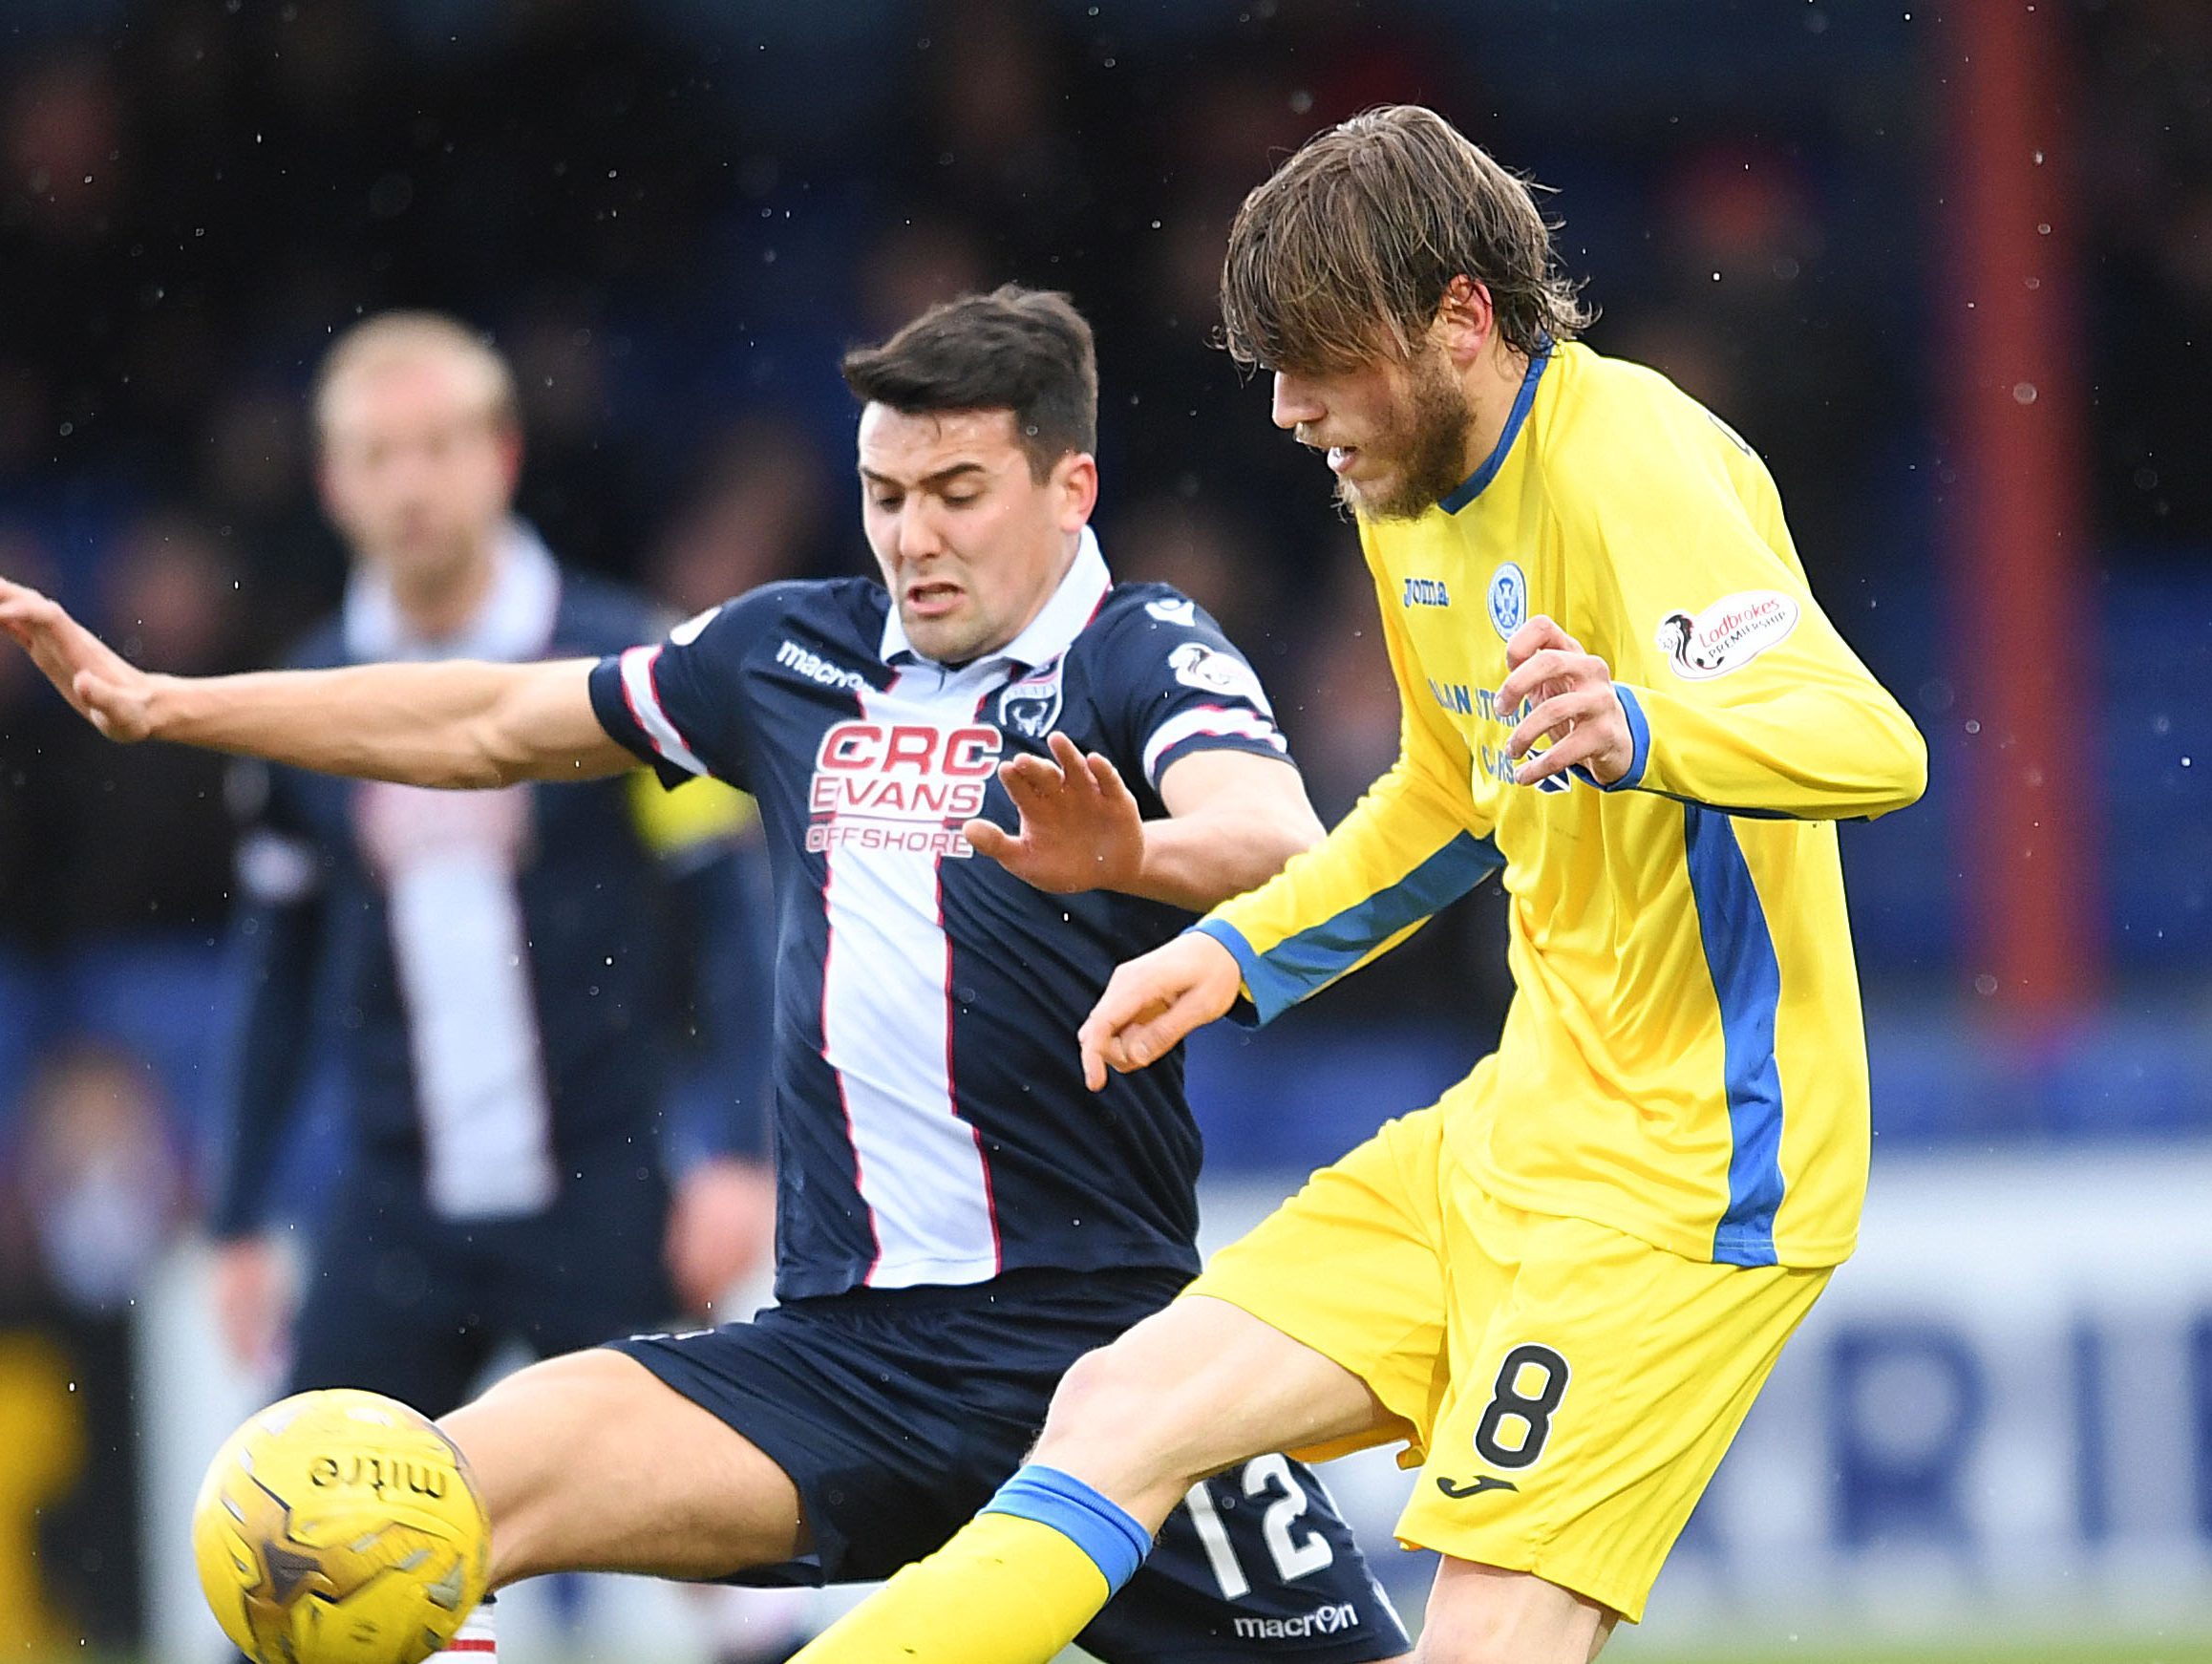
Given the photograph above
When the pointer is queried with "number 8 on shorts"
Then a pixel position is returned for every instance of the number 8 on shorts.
(1512, 1432)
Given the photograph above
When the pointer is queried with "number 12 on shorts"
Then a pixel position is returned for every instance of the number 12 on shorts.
(1516, 1421)
(1296, 1553)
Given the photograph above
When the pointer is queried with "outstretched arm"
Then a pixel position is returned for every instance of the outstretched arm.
(1233, 819)
(457, 724)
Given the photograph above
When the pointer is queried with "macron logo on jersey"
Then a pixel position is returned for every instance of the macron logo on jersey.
(904, 785)
(816, 669)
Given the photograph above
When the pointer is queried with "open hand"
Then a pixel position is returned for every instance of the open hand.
(1080, 828)
(1153, 1001)
(108, 691)
(1576, 707)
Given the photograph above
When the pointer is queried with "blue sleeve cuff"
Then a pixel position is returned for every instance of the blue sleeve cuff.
(1246, 1012)
(1640, 735)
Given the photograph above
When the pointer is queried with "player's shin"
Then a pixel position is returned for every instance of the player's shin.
(1015, 1584)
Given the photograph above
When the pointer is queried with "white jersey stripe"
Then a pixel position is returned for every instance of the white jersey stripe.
(887, 1032)
(645, 705)
(1212, 719)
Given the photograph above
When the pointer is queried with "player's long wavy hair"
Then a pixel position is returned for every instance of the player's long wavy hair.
(1344, 255)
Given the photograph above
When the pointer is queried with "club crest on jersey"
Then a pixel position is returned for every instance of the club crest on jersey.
(1727, 635)
(1032, 706)
(899, 785)
(1508, 599)
(1199, 665)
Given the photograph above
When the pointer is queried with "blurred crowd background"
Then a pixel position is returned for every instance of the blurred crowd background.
(673, 214)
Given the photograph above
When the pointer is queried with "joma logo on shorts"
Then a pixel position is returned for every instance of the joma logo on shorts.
(1333, 1620)
(1474, 1487)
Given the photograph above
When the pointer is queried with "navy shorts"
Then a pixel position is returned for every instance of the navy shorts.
(897, 1412)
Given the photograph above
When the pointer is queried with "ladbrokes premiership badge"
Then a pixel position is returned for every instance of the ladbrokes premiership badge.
(1727, 635)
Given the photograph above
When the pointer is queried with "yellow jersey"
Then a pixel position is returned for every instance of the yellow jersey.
(1683, 1057)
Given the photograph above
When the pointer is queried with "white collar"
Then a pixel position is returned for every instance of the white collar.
(1049, 634)
(514, 622)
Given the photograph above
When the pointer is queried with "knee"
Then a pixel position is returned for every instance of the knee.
(483, 1431)
(1101, 1394)
(1120, 1426)
(570, 1396)
(520, 1438)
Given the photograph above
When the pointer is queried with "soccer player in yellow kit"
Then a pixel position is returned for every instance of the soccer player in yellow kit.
(1562, 1285)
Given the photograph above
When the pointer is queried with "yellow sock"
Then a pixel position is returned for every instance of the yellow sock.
(1005, 1590)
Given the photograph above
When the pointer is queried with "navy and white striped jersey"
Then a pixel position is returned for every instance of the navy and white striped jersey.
(932, 1125)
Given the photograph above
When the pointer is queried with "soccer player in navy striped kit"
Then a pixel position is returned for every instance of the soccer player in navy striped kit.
(959, 1218)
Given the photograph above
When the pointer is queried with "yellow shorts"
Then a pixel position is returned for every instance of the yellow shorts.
(1568, 1389)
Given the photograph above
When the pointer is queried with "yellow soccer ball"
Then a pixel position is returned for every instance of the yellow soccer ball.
(340, 1528)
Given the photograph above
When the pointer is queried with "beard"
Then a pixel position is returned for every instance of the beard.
(1427, 440)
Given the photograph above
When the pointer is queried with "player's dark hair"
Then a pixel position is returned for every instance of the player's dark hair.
(1022, 350)
(1345, 254)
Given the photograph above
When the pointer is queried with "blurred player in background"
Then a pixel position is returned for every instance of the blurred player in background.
(1563, 1283)
(959, 1218)
(513, 975)
(518, 983)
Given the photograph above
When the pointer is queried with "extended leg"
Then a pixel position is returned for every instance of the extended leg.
(590, 1462)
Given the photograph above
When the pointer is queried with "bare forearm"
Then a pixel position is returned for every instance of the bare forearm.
(1199, 860)
(447, 724)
